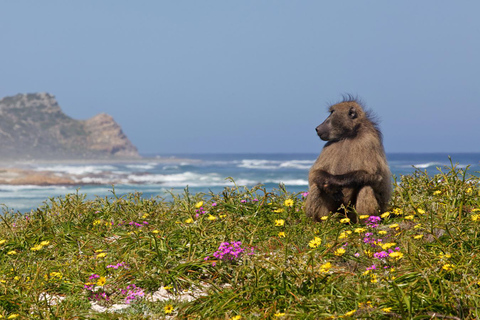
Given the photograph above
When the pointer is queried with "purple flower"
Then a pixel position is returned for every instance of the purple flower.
(214, 204)
(380, 255)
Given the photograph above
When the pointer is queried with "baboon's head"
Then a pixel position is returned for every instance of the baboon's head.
(343, 122)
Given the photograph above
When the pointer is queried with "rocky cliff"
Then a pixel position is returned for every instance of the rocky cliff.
(33, 126)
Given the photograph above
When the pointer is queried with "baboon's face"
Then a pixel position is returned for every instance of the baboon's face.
(344, 120)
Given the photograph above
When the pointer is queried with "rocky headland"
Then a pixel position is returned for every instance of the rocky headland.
(34, 127)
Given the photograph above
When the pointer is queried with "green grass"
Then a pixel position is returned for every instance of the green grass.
(289, 270)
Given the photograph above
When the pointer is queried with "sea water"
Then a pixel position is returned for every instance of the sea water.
(160, 176)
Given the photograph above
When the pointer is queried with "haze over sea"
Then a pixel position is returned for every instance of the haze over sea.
(159, 175)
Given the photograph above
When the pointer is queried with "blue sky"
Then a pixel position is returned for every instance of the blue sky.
(251, 76)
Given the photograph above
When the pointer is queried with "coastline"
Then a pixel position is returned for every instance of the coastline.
(23, 172)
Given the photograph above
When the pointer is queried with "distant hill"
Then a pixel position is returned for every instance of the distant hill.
(33, 126)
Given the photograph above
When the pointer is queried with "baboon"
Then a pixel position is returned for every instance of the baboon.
(352, 169)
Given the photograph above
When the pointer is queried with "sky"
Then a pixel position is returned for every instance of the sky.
(251, 76)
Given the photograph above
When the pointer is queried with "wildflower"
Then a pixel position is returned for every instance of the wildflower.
(145, 215)
(448, 267)
(38, 247)
(280, 210)
(243, 201)
(350, 313)
(357, 254)
(445, 256)
(387, 246)
(237, 317)
(437, 192)
(373, 221)
(380, 255)
(410, 217)
(279, 223)
(189, 220)
(2, 241)
(417, 226)
(394, 226)
(469, 190)
(396, 255)
(279, 314)
(214, 204)
(359, 230)
(374, 278)
(345, 220)
(363, 216)
(288, 203)
(344, 234)
(324, 218)
(281, 234)
(169, 287)
(475, 217)
(382, 232)
(155, 231)
(101, 255)
(315, 242)
(45, 243)
(304, 194)
(421, 211)
(222, 216)
(324, 268)
(199, 204)
(389, 309)
(385, 215)
(339, 252)
(418, 236)
(13, 316)
(97, 222)
(211, 218)
(397, 211)
(168, 308)
(101, 281)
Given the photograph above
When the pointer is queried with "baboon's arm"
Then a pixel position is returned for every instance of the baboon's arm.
(325, 180)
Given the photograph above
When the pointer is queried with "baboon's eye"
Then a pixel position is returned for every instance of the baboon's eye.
(352, 113)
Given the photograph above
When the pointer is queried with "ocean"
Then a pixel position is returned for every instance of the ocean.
(156, 175)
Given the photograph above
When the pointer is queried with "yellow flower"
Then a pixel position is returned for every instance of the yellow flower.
(389, 309)
(417, 226)
(12, 252)
(410, 217)
(469, 190)
(315, 242)
(288, 203)
(445, 256)
(339, 252)
(397, 211)
(387, 246)
(359, 230)
(211, 218)
(421, 211)
(189, 220)
(350, 313)
(368, 253)
(37, 247)
(280, 210)
(393, 226)
(324, 268)
(145, 215)
(476, 217)
(476, 210)
(2, 241)
(99, 250)
(448, 267)
(374, 278)
(168, 288)
(418, 236)
(279, 314)
(385, 215)
(155, 231)
(101, 255)
(222, 216)
(13, 316)
(382, 232)
(97, 222)
(45, 243)
(279, 223)
(101, 281)
(281, 234)
(345, 220)
(396, 255)
(236, 318)
(363, 216)
(324, 218)
(366, 272)
(199, 204)
(436, 193)
(168, 308)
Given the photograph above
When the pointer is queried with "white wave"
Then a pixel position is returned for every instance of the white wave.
(428, 164)
(148, 166)
(186, 179)
(170, 168)
(291, 182)
(78, 169)
(275, 164)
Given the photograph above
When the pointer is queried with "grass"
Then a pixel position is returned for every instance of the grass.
(420, 261)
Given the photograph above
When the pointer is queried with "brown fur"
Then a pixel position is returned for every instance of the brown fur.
(352, 168)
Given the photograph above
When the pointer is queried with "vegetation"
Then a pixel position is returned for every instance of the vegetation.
(246, 254)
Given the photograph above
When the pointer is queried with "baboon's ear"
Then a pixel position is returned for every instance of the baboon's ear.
(352, 113)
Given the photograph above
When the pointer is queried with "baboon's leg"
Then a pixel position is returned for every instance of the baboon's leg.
(318, 204)
(366, 201)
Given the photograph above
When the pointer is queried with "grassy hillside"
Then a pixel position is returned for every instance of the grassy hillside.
(246, 254)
